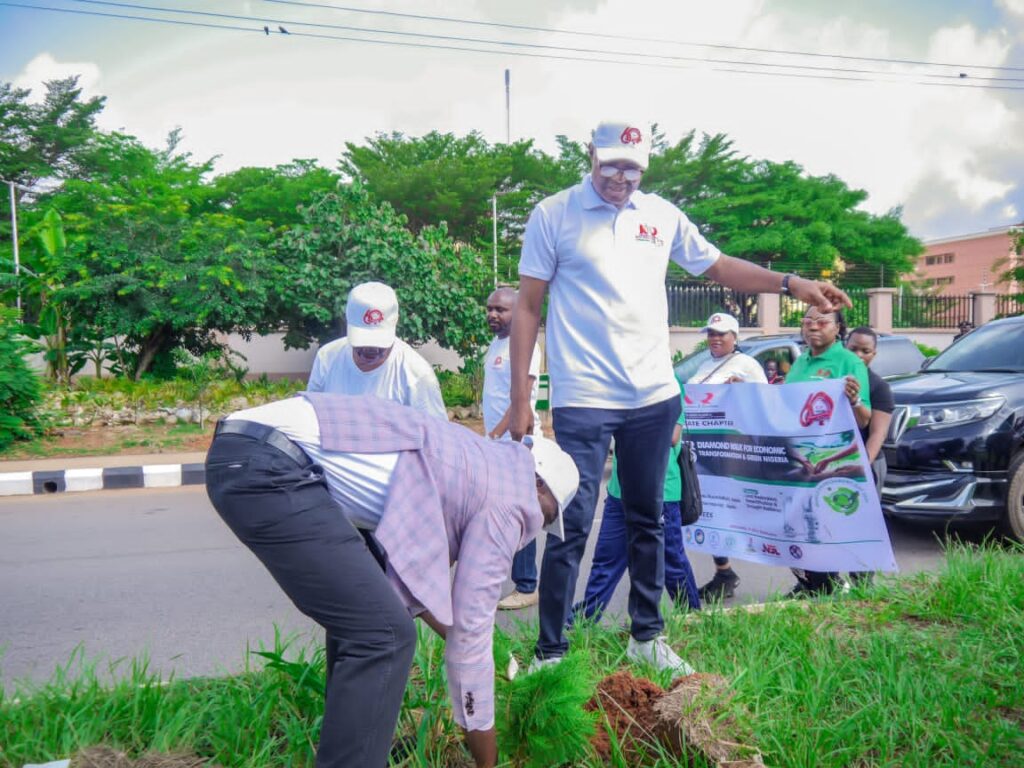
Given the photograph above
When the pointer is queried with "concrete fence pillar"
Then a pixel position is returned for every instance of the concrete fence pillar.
(768, 312)
(983, 307)
(880, 308)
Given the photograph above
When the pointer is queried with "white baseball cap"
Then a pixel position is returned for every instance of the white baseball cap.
(722, 322)
(558, 470)
(616, 140)
(371, 315)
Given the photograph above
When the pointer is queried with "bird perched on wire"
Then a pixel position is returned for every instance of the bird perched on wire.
(266, 30)
(283, 30)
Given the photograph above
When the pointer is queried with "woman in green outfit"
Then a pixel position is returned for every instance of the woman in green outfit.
(827, 358)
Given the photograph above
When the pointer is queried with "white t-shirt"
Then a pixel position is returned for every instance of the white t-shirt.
(607, 323)
(359, 481)
(498, 384)
(737, 364)
(404, 377)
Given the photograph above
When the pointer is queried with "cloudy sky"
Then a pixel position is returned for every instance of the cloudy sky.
(900, 99)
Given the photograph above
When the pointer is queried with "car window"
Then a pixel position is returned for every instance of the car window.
(992, 347)
(783, 357)
(689, 365)
(897, 355)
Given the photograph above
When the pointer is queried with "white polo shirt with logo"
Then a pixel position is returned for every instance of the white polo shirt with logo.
(607, 322)
(498, 384)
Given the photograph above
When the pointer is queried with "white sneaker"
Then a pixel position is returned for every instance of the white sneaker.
(517, 600)
(539, 663)
(658, 654)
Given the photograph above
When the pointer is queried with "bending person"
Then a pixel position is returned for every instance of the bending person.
(293, 480)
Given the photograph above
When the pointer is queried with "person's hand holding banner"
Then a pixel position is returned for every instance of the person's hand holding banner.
(785, 478)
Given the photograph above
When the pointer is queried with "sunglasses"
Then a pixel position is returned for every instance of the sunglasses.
(629, 174)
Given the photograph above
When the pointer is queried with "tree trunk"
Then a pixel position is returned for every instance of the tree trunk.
(149, 347)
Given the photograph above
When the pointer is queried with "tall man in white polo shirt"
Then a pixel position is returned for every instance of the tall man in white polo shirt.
(501, 306)
(371, 360)
(602, 247)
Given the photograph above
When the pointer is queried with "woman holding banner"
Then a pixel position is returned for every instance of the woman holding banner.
(827, 358)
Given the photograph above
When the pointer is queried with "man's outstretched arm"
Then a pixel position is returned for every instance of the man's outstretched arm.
(748, 277)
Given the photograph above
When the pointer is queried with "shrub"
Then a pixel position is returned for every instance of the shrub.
(20, 391)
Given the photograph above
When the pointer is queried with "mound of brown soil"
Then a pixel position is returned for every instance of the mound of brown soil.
(628, 706)
(693, 718)
(107, 757)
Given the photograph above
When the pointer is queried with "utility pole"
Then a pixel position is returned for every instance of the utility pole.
(494, 233)
(11, 186)
(508, 110)
(494, 196)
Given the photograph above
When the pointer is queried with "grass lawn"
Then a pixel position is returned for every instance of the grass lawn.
(919, 671)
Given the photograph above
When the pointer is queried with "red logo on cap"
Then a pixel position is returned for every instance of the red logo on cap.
(818, 409)
(373, 317)
(631, 136)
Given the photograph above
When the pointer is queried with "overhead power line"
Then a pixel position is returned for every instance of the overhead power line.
(261, 28)
(544, 47)
(630, 38)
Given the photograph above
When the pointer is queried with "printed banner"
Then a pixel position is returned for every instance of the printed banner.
(784, 478)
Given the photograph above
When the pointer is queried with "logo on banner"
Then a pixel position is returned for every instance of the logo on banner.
(795, 551)
(771, 549)
(817, 410)
(705, 400)
(839, 495)
(698, 536)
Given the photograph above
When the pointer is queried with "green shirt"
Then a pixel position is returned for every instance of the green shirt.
(673, 481)
(836, 362)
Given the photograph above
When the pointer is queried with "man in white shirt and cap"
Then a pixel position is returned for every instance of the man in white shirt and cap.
(371, 360)
(603, 247)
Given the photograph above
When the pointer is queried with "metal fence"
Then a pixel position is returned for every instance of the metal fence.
(691, 302)
(791, 311)
(923, 311)
(1007, 305)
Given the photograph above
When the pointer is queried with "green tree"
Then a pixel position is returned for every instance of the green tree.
(44, 140)
(441, 177)
(775, 214)
(146, 264)
(347, 238)
(271, 195)
(19, 386)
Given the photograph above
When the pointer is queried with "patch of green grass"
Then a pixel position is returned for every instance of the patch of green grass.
(919, 671)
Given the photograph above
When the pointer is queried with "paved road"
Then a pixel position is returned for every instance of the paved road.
(122, 573)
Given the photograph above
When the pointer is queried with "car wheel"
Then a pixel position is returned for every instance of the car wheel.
(1015, 498)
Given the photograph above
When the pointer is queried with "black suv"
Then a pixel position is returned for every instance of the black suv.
(955, 449)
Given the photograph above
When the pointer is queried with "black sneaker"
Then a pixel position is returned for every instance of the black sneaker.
(804, 589)
(722, 585)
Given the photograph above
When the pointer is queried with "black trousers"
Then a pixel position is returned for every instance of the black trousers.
(281, 510)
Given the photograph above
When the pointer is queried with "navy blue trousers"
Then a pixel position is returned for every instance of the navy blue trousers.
(585, 434)
(610, 561)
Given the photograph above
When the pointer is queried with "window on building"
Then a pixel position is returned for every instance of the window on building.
(938, 258)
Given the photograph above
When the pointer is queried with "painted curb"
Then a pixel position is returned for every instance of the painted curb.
(51, 481)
